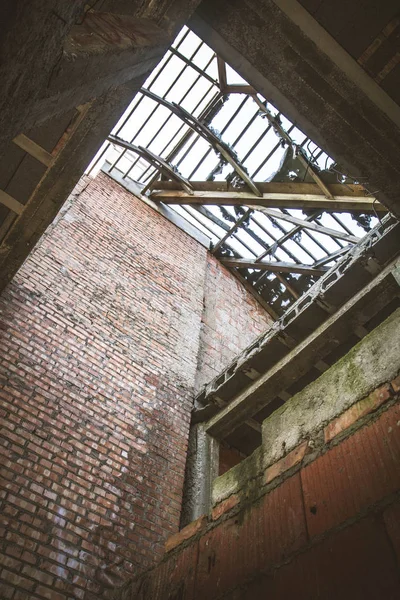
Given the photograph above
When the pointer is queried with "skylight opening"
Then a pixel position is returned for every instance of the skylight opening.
(233, 143)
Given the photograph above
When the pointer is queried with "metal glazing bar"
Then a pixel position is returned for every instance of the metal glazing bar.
(300, 245)
(278, 243)
(180, 128)
(128, 116)
(143, 125)
(187, 135)
(254, 146)
(308, 225)
(195, 67)
(225, 127)
(340, 222)
(164, 124)
(266, 159)
(333, 256)
(232, 230)
(276, 266)
(188, 209)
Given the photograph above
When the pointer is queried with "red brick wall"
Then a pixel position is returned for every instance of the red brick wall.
(99, 337)
(328, 529)
(228, 327)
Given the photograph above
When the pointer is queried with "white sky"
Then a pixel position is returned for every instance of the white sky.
(161, 137)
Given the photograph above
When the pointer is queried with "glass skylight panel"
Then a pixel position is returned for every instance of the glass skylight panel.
(188, 76)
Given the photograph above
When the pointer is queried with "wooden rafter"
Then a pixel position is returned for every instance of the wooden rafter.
(33, 149)
(284, 136)
(156, 161)
(227, 88)
(11, 203)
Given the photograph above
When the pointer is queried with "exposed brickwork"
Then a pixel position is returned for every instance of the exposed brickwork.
(99, 343)
(284, 464)
(330, 531)
(228, 327)
(358, 410)
(186, 533)
(357, 473)
(225, 506)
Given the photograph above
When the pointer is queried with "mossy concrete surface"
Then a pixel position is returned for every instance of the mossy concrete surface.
(373, 361)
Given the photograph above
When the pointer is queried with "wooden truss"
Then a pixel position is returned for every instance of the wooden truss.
(251, 201)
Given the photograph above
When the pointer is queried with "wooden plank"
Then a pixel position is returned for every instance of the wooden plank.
(278, 267)
(11, 203)
(335, 330)
(221, 74)
(293, 199)
(240, 89)
(33, 149)
(285, 136)
(378, 41)
(324, 188)
(287, 187)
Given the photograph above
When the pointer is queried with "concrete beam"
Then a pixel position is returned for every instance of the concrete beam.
(32, 56)
(202, 466)
(351, 273)
(31, 39)
(104, 51)
(340, 109)
(360, 309)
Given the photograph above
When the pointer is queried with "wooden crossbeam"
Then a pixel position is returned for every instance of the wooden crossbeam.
(33, 149)
(285, 136)
(156, 161)
(291, 199)
(11, 203)
(287, 187)
(274, 267)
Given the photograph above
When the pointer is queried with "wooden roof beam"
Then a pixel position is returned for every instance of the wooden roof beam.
(290, 199)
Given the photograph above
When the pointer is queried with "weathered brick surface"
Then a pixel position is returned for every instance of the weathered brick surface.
(358, 410)
(99, 338)
(186, 533)
(227, 327)
(264, 535)
(329, 531)
(353, 564)
(224, 506)
(99, 341)
(360, 471)
(287, 462)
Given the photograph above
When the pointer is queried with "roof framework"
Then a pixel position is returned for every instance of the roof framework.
(277, 210)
